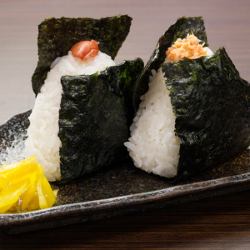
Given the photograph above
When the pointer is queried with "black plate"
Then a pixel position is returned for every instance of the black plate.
(119, 190)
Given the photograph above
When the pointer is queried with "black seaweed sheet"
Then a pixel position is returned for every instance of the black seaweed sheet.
(212, 107)
(57, 35)
(94, 118)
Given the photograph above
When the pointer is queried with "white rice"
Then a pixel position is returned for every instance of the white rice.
(153, 144)
(209, 52)
(43, 140)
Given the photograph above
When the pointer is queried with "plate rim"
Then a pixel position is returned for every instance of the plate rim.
(10, 219)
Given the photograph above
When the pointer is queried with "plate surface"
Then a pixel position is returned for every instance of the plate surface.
(119, 190)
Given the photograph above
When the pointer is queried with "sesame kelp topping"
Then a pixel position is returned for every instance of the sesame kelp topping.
(189, 47)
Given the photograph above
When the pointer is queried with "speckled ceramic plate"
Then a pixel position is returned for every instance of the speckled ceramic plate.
(119, 190)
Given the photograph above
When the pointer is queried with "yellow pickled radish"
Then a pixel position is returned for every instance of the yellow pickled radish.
(47, 191)
(3, 182)
(24, 187)
(10, 198)
(27, 197)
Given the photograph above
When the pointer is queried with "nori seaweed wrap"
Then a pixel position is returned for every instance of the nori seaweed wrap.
(94, 118)
(195, 112)
(83, 107)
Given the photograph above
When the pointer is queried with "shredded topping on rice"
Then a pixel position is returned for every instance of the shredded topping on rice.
(189, 47)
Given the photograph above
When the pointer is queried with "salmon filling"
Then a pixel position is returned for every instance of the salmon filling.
(189, 47)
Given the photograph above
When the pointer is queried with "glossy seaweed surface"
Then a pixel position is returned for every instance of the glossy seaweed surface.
(94, 118)
(212, 107)
(118, 190)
